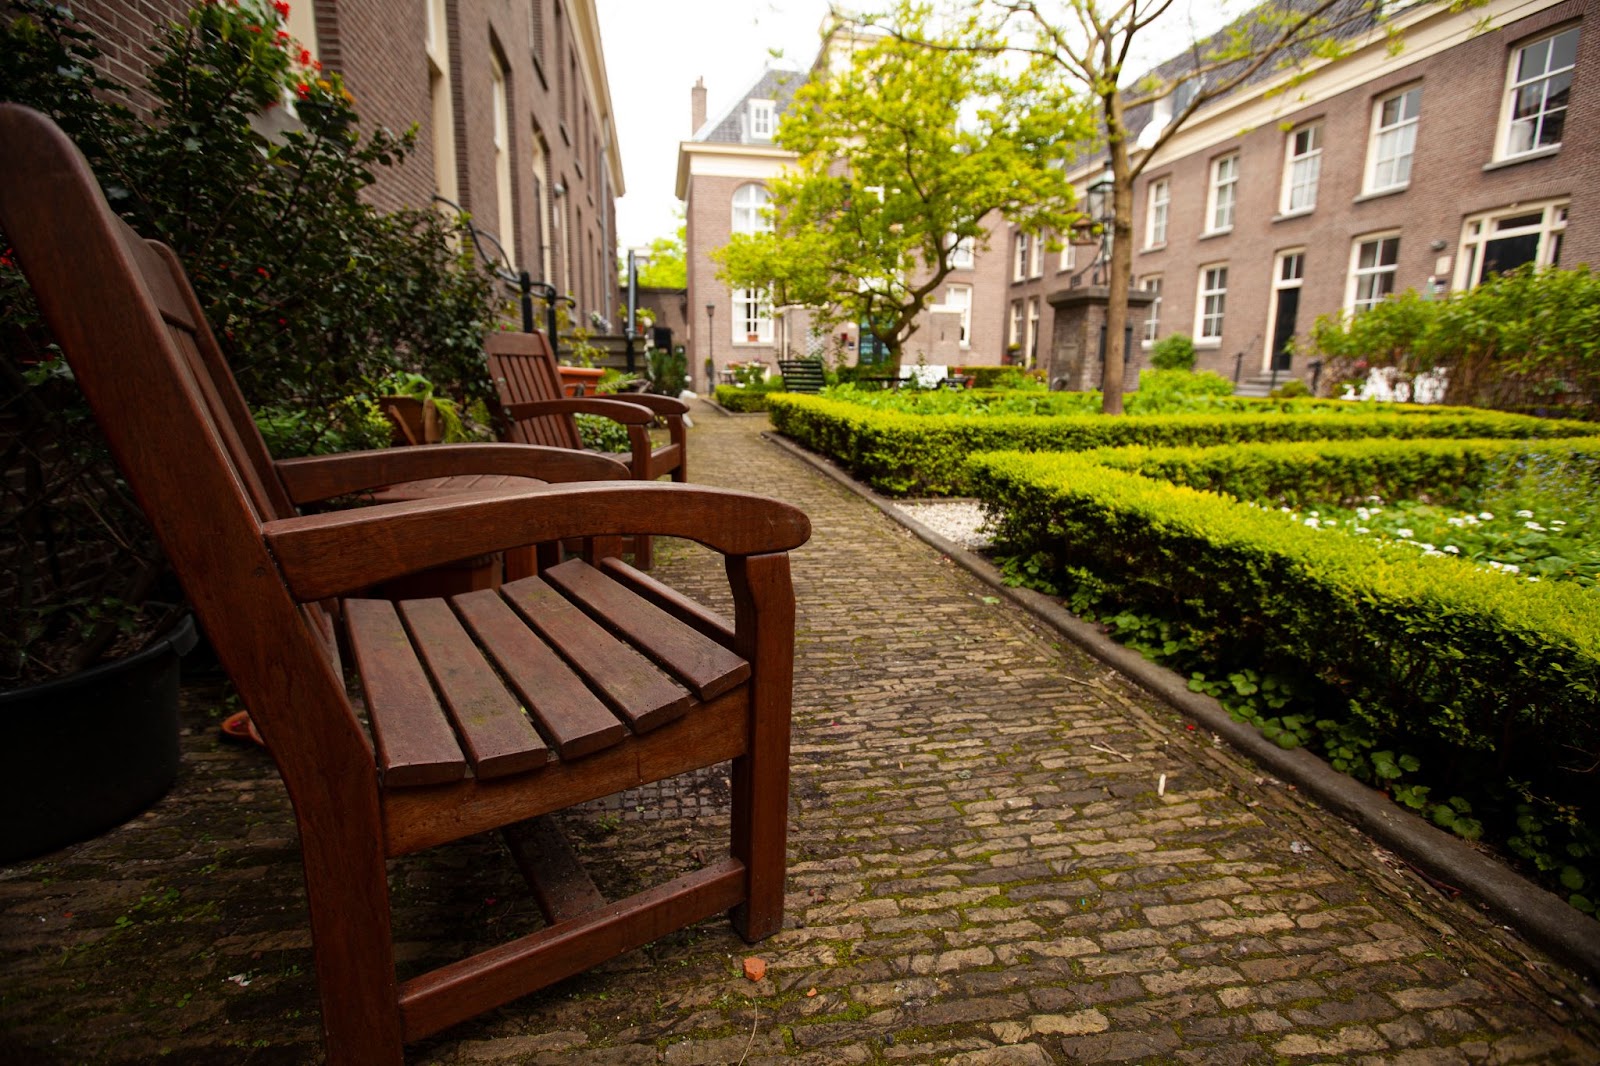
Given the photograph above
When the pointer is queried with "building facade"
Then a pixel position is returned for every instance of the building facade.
(511, 101)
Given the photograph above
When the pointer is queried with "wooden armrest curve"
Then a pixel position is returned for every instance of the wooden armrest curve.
(322, 477)
(616, 410)
(670, 406)
(331, 554)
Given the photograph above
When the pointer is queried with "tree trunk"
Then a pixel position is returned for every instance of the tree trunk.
(1121, 266)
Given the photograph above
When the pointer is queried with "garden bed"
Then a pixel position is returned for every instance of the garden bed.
(1467, 693)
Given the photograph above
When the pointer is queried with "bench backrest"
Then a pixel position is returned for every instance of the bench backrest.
(802, 375)
(129, 325)
(524, 370)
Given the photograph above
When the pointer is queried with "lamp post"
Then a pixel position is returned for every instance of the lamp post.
(1101, 205)
(630, 329)
(711, 366)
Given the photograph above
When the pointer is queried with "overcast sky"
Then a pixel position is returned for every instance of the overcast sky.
(655, 49)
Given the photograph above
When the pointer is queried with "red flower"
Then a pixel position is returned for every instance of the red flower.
(304, 90)
(255, 29)
(305, 57)
(5, 258)
(283, 321)
(316, 64)
(283, 35)
(263, 272)
(281, 8)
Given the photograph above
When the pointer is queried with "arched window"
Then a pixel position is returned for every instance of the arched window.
(749, 209)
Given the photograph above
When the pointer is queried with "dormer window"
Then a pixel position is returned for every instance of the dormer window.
(762, 120)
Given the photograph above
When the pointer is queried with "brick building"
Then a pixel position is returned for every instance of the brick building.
(1470, 150)
(511, 100)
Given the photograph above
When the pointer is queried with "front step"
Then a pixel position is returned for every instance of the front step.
(1261, 385)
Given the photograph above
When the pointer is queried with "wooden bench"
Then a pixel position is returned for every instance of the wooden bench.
(626, 681)
(802, 375)
(528, 383)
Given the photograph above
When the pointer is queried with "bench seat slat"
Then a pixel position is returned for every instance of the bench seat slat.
(642, 694)
(691, 612)
(571, 716)
(706, 666)
(498, 738)
(414, 741)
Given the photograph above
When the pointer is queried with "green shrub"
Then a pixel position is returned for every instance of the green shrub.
(734, 398)
(1478, 676)
(906, 454)
(1290, 389)
(1173, 352)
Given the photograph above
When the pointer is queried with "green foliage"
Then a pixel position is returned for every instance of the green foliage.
(1290, 389)
(1002, 377)
(354, 424)
(1438, 681)
(667, 371)
(901, 453)
(1173, 352)
(900, 156)
(1524, 339)
(601, 434)
(667, 267)
(744, 400)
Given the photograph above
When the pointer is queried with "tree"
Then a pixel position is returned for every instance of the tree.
(665, 266)
(1087, 43)
(902, 154)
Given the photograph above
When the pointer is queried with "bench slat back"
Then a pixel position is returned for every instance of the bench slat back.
(524, 371)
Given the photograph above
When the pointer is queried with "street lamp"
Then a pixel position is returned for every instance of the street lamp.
(1100, 200)
(711, 366)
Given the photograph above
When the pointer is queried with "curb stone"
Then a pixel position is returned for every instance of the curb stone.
(1541, 916)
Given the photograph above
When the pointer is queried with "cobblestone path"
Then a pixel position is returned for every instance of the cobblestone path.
(984, 870)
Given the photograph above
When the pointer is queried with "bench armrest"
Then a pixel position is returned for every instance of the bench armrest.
(668, 406)
(629, 414)
(332, 554)
(322, 477)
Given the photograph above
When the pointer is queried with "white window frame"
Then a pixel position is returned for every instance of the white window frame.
(959, 298)
(749, 204)
(1030, 349)
(1478, 230)
(763, 120)
(1152, 321)
(1019, 268)
(1036, 257)
(962, 254)
(1014, 330)
(1069, 256)
(1222, 193)
(443, 123)
(1158, 202)
(1302, 169)
(1355, 301)
(502, 160)
(1515, 85)
(752, 307)
(1401, 131)
(1210, 317)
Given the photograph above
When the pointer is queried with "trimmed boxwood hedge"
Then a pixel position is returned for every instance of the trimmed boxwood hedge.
(743, 400)
(1489, 677)
(901, 454)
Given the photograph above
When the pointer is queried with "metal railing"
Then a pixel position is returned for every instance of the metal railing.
(521, 281)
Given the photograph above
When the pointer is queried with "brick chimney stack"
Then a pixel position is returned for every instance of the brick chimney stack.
(697, 104)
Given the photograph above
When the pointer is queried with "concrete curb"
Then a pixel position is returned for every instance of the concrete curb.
(1542, 917)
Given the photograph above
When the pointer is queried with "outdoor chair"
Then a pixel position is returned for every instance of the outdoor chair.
(529, 386)
(625, 681)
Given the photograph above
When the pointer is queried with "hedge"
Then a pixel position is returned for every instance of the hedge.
(903, 454)
(734, 398)
(1494, 677)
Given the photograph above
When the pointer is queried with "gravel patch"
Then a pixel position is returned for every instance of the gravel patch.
(960, 521)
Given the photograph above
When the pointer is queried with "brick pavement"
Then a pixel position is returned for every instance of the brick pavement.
(982, 872)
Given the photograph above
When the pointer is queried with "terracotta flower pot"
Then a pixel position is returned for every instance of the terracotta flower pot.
(580, 380)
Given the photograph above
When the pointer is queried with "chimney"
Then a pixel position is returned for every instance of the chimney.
(697, 104)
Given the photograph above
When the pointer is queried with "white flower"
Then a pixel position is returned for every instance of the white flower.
(1536, 527)
(1374, 499)
(1457, 522)
(1532, 578)
(1428, 548)
(1452, 549)
(1363, 529)
(1313, 523)
(1285, 510)
(1363, 514)
(1511, 568)
(1314, 514)
(1402, 532)
(1486, 516)
(1558, 523)
(1524, 514)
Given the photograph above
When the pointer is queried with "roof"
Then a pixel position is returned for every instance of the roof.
(775, 84)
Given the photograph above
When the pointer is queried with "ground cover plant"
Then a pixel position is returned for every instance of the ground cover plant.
(1465, 691)
(885, 440)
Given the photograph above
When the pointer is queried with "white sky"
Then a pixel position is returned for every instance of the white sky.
(655, 49)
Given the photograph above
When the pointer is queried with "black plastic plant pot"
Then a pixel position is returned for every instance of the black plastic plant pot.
(82, 754)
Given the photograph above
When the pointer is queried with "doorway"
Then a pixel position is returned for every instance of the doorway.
(1288, 275)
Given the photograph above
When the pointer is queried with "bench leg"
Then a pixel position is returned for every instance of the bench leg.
(764, 622)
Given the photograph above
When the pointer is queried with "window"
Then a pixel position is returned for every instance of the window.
(1540, 80)
(536, 32)
(959, 298)
(1394, 139)
(1212, 303)
(1069, 256)
(1032, 346)
(762, 123)
(1224, 183)
(1301, 170)
(1014, 333)
(539, 168)
(961, 254)
(1495, 242)
(1155, 226)
(752, 316)
(1374, 263)
(1020, 268)
(443, 117)
(1036, 257)
(750, 209)
(1152, 323)
(502, 160)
